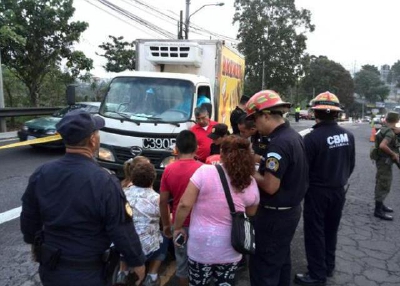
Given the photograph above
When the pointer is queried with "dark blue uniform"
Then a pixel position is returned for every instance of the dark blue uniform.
(258, 143)
(331, 156)
(279, 214)
(81, 209)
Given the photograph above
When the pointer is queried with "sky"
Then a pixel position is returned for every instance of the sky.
(350, 32)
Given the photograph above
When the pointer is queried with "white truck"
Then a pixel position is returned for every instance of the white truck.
(145, 109)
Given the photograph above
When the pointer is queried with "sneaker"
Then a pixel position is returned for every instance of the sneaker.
(121, 279)
(149, 282)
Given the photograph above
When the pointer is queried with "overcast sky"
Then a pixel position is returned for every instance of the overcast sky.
(351, 32)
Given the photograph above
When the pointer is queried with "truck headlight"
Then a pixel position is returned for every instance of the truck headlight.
(106, 155)
(166, 161)
(25, 128)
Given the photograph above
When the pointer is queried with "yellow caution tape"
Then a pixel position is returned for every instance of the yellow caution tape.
(33, 141)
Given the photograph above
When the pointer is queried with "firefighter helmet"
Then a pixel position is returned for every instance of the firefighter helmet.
(265, 99)
(326, 101)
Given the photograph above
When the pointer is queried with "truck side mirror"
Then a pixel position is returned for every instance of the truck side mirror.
(70, 94)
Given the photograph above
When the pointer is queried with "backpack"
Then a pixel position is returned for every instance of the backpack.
(374, 151)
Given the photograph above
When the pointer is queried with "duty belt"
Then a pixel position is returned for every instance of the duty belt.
(277, 208)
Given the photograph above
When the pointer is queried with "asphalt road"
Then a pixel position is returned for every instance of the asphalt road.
(368, 249)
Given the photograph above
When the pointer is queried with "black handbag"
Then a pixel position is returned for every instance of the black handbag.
(242, 233)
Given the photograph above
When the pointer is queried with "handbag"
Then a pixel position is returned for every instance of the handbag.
(242, 233)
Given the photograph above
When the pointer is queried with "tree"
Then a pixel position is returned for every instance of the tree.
(120, 55)
(272, 37)
(322, 75)
(15, 92)
(368, 84)
(39, 36)
(395, 73)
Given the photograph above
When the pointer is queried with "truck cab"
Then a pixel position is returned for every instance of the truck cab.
(144, 112)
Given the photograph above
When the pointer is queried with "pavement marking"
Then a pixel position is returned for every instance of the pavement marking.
(10, 215)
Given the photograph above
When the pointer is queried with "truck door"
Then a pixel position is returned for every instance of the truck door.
(204, 97)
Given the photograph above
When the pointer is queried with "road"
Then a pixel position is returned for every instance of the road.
(368, 249)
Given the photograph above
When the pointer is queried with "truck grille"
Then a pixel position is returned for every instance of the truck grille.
(122, 154)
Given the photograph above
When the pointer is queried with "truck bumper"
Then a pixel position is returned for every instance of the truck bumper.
(118, 169)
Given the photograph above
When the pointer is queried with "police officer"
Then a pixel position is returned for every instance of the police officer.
(283, 180)
(72, 210)
(388, 144)
(297, 113)
(238, 112)
(331, 156)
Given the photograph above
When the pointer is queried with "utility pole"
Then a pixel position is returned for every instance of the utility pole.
(187, 20)
(3, 127)
(263, 76)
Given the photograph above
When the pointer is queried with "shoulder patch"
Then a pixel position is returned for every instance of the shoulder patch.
(128, 210)
(275, 155)
(272, 164)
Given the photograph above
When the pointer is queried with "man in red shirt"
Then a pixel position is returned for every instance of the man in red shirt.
(174, 181)
(201, 129)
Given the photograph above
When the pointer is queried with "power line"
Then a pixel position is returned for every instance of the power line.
(171, 20)
(194, 26)
(137, 19)
(119, 18)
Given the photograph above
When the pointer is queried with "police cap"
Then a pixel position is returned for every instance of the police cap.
(77, 125)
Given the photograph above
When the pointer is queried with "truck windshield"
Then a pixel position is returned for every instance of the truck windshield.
(149, 99)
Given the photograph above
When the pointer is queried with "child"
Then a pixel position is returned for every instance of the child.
(145, 205)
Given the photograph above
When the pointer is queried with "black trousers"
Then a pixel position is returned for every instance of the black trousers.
(271, 264)
(71, 277)
(322, 213)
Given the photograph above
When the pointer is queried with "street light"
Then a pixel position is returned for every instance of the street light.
(188, 16)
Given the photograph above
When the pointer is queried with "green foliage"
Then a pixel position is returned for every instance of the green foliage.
(371, 68)
(323, 75)
(15, 92)
(369, 85)
(120, 55)
(272, 32)
(395, 73)
(39, 35)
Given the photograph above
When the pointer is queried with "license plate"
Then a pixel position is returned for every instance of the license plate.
(158, 143)
(31, 137)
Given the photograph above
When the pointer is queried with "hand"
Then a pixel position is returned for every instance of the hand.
(177, 232)
(167, 231)
(395, 157)
(140, 272)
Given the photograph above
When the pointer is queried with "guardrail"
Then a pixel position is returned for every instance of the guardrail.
(26, 111)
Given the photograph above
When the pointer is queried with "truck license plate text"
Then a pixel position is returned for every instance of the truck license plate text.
(158, 143)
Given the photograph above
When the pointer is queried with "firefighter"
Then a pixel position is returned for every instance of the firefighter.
(282, 179)
(331, 157)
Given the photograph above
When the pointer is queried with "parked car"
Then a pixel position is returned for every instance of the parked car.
(46, 126)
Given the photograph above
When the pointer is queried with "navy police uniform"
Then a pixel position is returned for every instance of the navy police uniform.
(331, 156)
(279, 214)
(81, 209)
(72, 210)
(258, 143)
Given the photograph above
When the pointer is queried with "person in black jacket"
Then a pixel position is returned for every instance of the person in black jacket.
(331, 156)
(72, 210)
(238, 112)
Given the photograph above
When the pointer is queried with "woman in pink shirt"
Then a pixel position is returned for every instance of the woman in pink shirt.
(210, 252)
